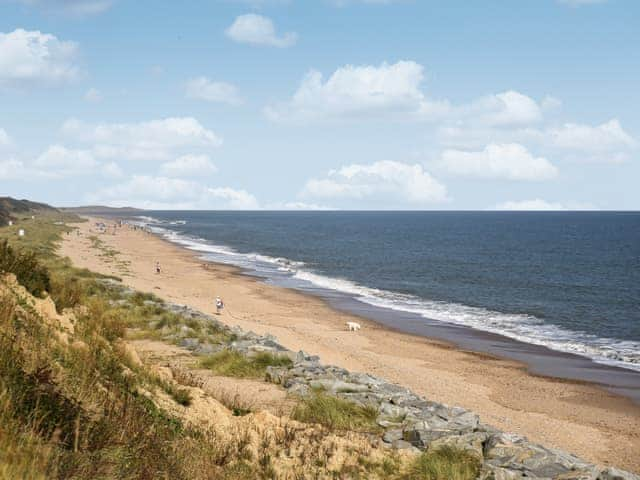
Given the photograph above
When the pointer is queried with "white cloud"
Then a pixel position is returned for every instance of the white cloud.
(172, 193)
(234, 199)
(60, 161)
(509, 161)
(112, 169)
(34, 58)
(254, 29)
(506, 109)
(477, 137)
(541, 205)
(152, 140)
(202, 88)
(13, 169)
(607, 142)
(188, 166)
(409, 183)
(396, 89)
(72, 7)
(359, 91)
(93, 95)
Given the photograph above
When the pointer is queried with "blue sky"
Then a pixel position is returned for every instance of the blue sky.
(348, 104)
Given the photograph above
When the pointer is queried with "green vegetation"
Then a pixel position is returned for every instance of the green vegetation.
(75, 410)
(336, 413)
(74, 405)
(24, 265)
(230, 363)
(445, 463)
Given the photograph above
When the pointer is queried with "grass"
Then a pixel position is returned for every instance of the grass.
(336, 413)
(230, 363)
(445, 463)
(238, 405)
(74, 410)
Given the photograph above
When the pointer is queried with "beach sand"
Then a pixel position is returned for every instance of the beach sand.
(580, 418)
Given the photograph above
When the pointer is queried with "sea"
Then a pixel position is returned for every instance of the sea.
(559, 291)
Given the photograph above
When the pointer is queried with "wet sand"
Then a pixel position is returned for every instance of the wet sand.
(578, 417)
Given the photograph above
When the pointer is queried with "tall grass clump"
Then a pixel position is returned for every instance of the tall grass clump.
(25, 266)
(336, 413)
(445, 463)
(230, 363)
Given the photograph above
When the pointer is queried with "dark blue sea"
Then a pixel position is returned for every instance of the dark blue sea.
(567, 281)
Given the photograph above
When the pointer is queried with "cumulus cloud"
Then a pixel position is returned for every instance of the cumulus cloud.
(72, 7)
(152, 140)
(254, 29)
(32, 58)
(359, 91)
(508, 161)
(233, 199)
(607, 142)
(60, 161)
(396, 90)
(13, 169)
(188, 166)
(158, 192)
(541, 205)
(506, 109)
(408, 183)
(202, 88)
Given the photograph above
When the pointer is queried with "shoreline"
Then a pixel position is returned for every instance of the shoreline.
(576, 416)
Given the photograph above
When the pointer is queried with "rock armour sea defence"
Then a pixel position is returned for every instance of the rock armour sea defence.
(407, 420)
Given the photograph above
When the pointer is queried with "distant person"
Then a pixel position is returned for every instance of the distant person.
(219, 305)
(157, 267)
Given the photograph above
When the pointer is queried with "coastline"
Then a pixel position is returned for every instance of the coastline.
(575, 416)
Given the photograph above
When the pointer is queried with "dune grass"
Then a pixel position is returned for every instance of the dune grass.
(230, 363)
(336, 413)
(445, 463)
(75, 410)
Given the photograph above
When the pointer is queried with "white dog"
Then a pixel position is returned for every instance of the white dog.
(353, 326)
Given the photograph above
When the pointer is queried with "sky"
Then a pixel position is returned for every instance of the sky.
(322, 104)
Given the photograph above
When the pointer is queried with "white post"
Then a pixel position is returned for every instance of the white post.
(21, 233)
(10, 222)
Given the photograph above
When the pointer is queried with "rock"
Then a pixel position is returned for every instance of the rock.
(190, 343)
(403, 445)
(208, 349)
(392, 435)
(472, 442)
(615, 474)
(422, 438)
(411, 423)
(276, 375)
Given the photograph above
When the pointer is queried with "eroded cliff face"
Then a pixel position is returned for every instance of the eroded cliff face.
(55, 355)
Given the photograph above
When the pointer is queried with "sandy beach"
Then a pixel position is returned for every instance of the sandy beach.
(580, 418)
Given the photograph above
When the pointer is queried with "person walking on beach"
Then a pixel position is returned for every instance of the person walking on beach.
(157, 267)
(219, 305)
